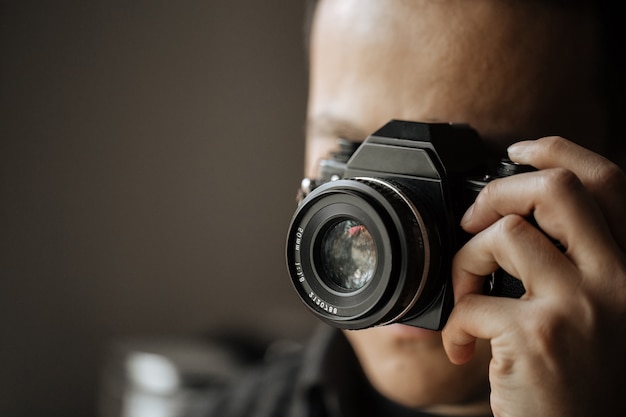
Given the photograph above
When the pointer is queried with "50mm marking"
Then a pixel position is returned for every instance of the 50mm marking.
(299, 238)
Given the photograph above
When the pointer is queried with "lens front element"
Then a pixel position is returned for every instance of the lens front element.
(348, 255)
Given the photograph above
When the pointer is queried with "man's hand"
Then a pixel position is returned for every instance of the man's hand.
(560, 350)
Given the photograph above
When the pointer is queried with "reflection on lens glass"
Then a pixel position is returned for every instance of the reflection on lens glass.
(348, 255)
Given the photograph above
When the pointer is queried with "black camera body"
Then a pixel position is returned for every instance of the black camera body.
(373, 243)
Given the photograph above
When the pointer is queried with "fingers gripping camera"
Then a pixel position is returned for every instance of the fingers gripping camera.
(373, 244)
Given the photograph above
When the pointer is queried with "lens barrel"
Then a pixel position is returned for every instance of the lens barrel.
(360, 252)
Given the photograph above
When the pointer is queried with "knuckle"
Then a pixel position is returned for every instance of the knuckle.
(491, 193)
(608, 175)
(599, 172)
(512, 225)
(502, 366)
(552, 328)
(488, 191)
(554, 144)
(557, 181)
(547, 329)
(466, 302)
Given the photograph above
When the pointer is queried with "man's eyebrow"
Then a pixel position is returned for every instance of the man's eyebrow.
(330, 126)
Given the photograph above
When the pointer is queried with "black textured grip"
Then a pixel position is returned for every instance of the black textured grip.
(502, 284)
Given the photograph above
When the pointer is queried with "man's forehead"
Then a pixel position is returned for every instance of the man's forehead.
(479, 66)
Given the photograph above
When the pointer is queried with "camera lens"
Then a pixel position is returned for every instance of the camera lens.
(359, 252)
(348, 255)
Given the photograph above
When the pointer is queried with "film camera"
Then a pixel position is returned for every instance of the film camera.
(373, 241)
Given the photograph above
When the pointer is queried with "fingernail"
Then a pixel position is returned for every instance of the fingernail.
(517, 150)
(467, 216)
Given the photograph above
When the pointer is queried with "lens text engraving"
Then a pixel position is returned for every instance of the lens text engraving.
(322, 304)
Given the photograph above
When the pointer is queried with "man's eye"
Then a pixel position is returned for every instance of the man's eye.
(346, 148)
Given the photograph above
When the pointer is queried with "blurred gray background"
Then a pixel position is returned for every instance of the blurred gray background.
(150, 152)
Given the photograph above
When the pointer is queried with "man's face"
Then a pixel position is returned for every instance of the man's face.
(512, 71)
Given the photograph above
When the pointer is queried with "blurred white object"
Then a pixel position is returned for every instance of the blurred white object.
(171, 377)
(152, 373)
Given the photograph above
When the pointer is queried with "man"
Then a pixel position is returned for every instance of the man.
(513, 70)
